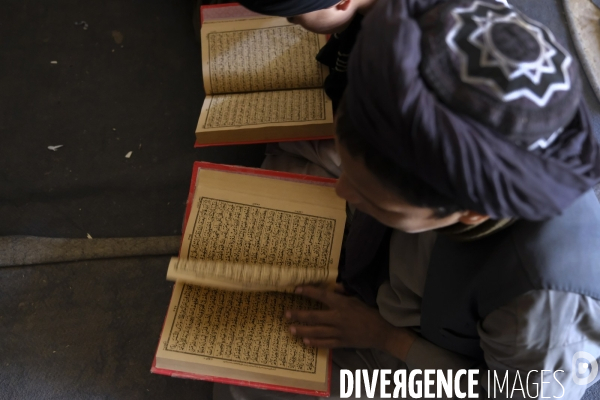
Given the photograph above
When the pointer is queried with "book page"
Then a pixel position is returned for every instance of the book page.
(240, 330)
(295, 248)
(276, 228)
(260, 55)
(261, 109)
(238, 218)
(245, 275)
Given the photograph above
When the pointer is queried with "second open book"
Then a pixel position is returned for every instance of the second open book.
(252, 235)
(261, 79)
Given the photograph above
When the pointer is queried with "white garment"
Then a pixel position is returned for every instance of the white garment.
(312, 157)
(399, 299)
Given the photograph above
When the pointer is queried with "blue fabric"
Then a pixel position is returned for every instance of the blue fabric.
(466, 281)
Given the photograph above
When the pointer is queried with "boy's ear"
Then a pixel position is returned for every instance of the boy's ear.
(473, 218)
(343, 5)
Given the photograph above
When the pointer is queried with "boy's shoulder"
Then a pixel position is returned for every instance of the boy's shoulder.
(563, 253)
(578, 225)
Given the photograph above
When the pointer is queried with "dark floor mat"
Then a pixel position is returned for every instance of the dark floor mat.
(87, 330)
(132, 82)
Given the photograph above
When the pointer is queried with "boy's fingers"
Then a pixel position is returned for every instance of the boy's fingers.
(311, 317)
(314, 331)
(316, 293)
(326, 343)
(339, 288)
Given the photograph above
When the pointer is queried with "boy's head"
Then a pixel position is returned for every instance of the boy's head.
(462, 111)
(321, 16)
(395, 197)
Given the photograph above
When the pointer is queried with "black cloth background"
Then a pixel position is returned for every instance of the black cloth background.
(101, 100)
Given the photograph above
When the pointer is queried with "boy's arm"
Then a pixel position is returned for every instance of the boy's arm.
(540, 330)
(347, 322)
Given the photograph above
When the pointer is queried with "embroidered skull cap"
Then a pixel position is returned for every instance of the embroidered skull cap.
(489, 61)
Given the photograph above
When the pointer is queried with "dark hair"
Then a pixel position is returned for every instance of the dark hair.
(406, 184)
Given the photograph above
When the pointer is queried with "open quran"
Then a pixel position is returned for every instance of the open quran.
(250, 237)
(261, 79)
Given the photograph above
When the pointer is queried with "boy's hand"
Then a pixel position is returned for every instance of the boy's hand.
(347, 322)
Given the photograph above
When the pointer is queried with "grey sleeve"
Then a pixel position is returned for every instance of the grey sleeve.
(543, 330)
(539, 331)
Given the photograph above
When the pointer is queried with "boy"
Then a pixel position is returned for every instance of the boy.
(342, 19)
(470, 160)
(339, 18)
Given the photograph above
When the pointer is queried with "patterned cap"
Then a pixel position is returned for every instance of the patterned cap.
(287, 8)
(489, 61)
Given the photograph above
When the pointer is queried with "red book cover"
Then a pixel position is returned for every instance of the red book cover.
(197, 145)
(227, 11)
(269, 174)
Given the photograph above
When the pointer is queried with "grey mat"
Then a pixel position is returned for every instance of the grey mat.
(86, 330)
(583, 18)
(552, 14)
(28, 250)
